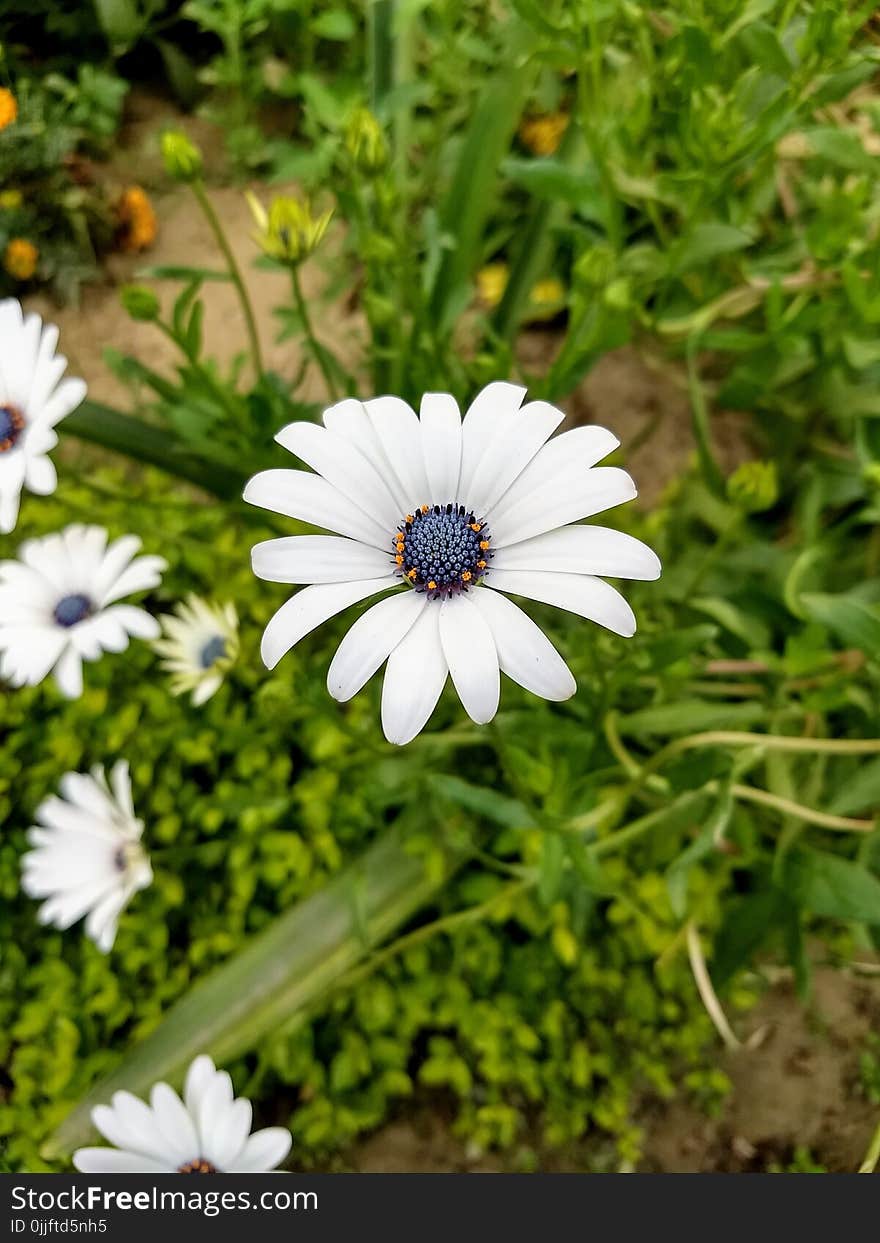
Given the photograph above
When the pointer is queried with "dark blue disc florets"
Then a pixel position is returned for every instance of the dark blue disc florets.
(72, 609)
(11, 426)
(442, 549)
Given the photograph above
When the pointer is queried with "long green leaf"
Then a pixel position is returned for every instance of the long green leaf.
(284, 970)
(156, 446)
(471, 195)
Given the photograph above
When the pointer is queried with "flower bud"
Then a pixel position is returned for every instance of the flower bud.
(365, 143)
(753, 487)
(140, 302)
(182, 158)
(20, 259)
(289, 231)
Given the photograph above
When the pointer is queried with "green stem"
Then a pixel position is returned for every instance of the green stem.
(315, 347)
(234, 272)
(700, 421)
(872, 1156)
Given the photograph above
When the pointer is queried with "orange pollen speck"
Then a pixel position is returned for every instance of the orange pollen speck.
(466, 577)
(424, 509)
(481, 565)
(399, 559)
(409, 518)
(411, 573)
(476, 526)
(432, 586)
(484, 544)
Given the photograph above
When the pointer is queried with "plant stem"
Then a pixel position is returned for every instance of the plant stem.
(234, 272)
(872, 1156)
(315, 347)
(700, 421)
(705, 989)
(788, 807)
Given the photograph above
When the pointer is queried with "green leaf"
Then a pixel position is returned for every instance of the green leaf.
(829, 885)
(746, 926)
(554, 180)
(178, 272)
(860, 792)
(153, 445)
(488, 803)
(471, 196)
(334, 24)
(121, 22)
(849, 618)
(691, 716)
(271, 982)
(706, 242)
(551, 868)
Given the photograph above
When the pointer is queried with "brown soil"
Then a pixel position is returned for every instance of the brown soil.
(797, 1086)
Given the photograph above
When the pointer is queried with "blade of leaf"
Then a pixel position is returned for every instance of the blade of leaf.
(271, 982)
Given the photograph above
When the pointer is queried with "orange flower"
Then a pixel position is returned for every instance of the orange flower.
(20, 259)
(8, 107)
(542, 135)
(137, 220)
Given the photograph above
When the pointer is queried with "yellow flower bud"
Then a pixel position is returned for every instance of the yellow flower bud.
(289, 231)
(543, 134)
(365, 142)
(182, 158)
(491, 283)
(753, 487)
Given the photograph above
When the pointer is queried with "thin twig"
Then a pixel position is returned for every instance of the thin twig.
(705, 989)
(787, 806)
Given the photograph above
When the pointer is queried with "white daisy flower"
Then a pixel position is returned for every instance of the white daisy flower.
(87, 857)
(33, 398)
(463, 512)
(58, 604)
(208, 1132)
(199, 647)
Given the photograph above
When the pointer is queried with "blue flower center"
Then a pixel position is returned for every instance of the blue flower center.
(11, 427)
(72, 609)
(214, 650)
(442, 550)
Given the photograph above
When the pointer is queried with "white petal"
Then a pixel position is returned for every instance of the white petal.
(68, 673)
(264, 1151)
(581, 447)
(370, 641)
(213, 1109)
(441, 446)
(414, 677)
(488, 416)
(67, 396)
(10, 502)
(525, 653)
(510, 453)
(174, 1122)
(198, 1080)
(102, 920)
(309, 608)
(567, 497)
(318, 559)
(589, 597)
(142, 575)
(397, 428)
(40, 476)
(228, 1137)
(343, 465)
(114, 1161)
(471, 656)
(309, 498)
(582, 550)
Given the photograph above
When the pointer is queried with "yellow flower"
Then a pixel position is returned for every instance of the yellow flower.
(546, 298)
(543, 134)
(137, 220)
(10, 200)
(289, 231)
(8, 107)
(20, 259)
(491, 283)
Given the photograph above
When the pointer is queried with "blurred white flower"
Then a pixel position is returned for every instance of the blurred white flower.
(461, 511)
(208, 1132)
(58, 604)
(199, 647)
(33, 398)
(87, 858)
